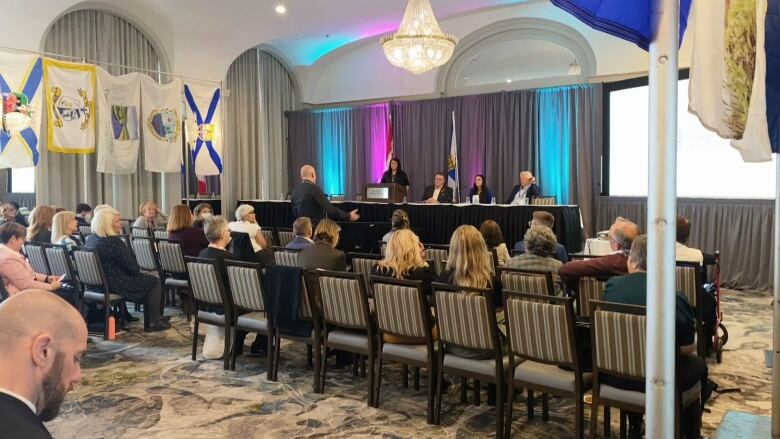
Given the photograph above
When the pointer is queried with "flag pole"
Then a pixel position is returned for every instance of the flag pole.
(776, 311)
(661, 221)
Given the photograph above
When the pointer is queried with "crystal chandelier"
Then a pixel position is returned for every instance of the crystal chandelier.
(419, 45)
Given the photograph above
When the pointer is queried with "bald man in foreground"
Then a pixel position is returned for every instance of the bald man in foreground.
(42, 341)
(309, 200)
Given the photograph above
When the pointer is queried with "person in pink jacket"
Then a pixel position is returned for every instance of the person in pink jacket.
(15, 271)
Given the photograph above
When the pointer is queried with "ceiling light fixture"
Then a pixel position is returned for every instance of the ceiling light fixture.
(281, 9)
(419, 45)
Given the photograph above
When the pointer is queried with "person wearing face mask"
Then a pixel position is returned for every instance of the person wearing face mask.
(83, 214)
(180, 230)
(202, 212)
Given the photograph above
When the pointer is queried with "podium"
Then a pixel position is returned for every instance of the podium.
(384, 192)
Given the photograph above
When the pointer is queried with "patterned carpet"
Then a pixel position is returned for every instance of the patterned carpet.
(145, 385)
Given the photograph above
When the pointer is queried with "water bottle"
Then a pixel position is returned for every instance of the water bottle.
(111, 327)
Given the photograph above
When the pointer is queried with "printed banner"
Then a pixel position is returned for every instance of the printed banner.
(119, 134)
(204, 128)
(20, 95)
(161, 125)
(70, 105)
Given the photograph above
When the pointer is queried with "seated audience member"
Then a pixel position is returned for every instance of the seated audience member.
(63, 230)
(621, 235)
(302, 230)
(525, 190)
(121, 269)
(180, 230)
(631, 289)
(10, 212)
(395, 175)
(539, 241)
(16, 272)
(150, 216)
(404, 260)
(469, 265)
(202, 212)
(323, 253)
(439, 192)
(481, 190)
(246, 222)
(83, 214)
(42, 343)
(399, 221)
(494, 239)
(542, 218)
(40, 224)
(682, 251)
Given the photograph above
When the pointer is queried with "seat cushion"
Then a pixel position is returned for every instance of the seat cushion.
(414, 352)
(97, 296)
(628, 396)
(486, 368)
(254, 321)
(348, 340)
(550, 376)
(212, 318)
(177, 283)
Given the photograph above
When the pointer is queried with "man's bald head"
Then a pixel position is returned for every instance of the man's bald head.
(32, 312)
(623, 232)
(308, 173)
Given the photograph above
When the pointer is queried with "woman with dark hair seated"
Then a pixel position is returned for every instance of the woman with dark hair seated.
(399, 221)
(494, 239)
(480, 190)
(180, 230)
(202, 212)
(121, 269)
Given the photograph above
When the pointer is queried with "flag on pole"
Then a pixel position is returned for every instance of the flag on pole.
(389, 148)
(161, 125)
(20, 112)
(630, 20)
(453, 180)
(204, 127)
(70, 103)
(119, 105)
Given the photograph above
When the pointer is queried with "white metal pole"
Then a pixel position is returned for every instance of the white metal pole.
(661, 222)
(776, 309)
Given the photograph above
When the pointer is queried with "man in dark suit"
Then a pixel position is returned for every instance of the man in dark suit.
(438, 193)
(42, 341)
(309, 200)
(631, 289)
(323, 253)
(526, 189)
(303, 232)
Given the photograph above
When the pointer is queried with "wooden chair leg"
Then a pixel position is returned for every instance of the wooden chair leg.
(431, 392)
(195, 337)
(226, 351)
(594, 418)
(308, 355)
(323, 369)
(579, 415)
(623, 424)
(439, 379)
(530, 404)
(371, 376)
(318, 360)
(108, 316)
(405, 376)
(545, 407)
(363, 365)
(378, 382)
(464, 386)
(477, 389)
(233, 349)
(355, 365)
(607, 421)
(510, 391)
(269, 350)
(417, 379)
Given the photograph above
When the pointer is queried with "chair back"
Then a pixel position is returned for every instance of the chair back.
(126, 224)
(618, 335)
(160, 234)
(363, 263)
(344, 299)
(543, 201)
(171, 257)
(60, 262)
(246, 285)
(285, 235)
(535, 282)
(145, 253)
(37, 257)
(89, 268)
(588, 290)
(383, 248)
(541, 331)
(401, 307)
(85, 230)
(438, 254)
(141, 232)
(688, 281)
(206, 282)
(288, 258)
(268, 235)
(466, 317)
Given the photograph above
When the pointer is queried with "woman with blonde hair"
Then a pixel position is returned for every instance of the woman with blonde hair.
(64, 226)
(148, 213)
(40, 224)
(404, 260)
(181, 230)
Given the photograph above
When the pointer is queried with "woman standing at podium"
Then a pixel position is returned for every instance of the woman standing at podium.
(395, 174)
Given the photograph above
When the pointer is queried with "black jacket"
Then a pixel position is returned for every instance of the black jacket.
(445, 194)
(400, 178)
(18, 421)
(533, 191)
(309, 200)
(321, 255)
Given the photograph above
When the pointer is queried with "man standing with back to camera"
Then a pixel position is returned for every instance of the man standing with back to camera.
(309, 200)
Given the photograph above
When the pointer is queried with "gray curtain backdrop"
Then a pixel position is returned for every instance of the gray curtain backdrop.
(740, 229)
(256, 154)
(67, 179)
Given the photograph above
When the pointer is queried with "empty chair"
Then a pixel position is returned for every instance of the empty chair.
(37, 257)
(588, 290)
(466, 319)
(535, 282)
(346, 320)
(402, 311)
(543, 201)
(543, 353)
(211, 298)
(438, 254)
(95, 285)
(246, 289)
(286, 257)
(285, 235)
(174, 271)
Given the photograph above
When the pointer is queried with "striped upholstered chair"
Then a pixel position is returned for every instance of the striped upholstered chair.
(209, 294)
(286, 236)
(286, 257)
(145, 253)
(174, 270)
(535, 282)
(543, 201)
(141, 231)
(95, 284)
(588, 290)
(466, 319)
(438, 254)
(618, 334)
(363, 263)
(85, 231)
(347, 320)
(541, 338)
(402, 310)
(688, 282)
(270, 238)
(160, 233)
(246, 288)
(60, 262)
(37, 257)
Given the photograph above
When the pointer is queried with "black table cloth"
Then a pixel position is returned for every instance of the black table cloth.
(437, 222)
